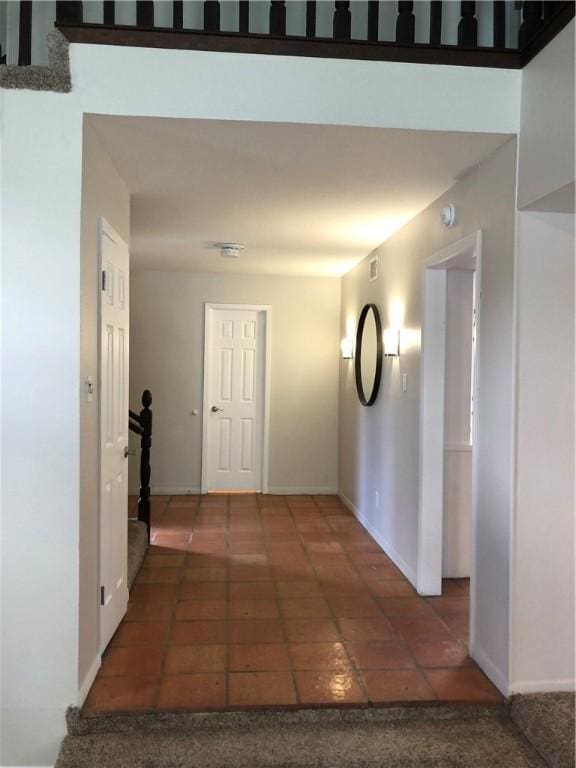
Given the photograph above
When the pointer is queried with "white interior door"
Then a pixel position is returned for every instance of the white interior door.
(114, 339)
(234, 398)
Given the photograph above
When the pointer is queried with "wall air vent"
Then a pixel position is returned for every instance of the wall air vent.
(373, 269)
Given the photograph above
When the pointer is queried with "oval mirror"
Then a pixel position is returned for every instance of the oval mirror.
(368, 358)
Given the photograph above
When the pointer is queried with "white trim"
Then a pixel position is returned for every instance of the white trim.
(194, 490)
(303, 491)
(104, 228)
(544, 686)
(395, 556)
(491, 671)
(89, 678)
(266, 309)
(476, 432)
(440, 259)
(431, 459)
(512, 567)
(464, 254)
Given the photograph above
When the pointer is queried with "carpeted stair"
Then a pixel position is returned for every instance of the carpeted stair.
(547, 720)
(428, 736)
(137, 546)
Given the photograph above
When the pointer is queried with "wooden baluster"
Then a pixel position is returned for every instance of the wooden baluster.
(531, 22)
(405, 23)
(342, 23)
(278, 17)
(178, 14)
(549, 9)
(145, 471)
(468, 25)
(144, 13)
(211, 16)
(25, 34)
(109, 12)
(499, 40)
(436, 22)
(311, 18)
(373, 12)
(244, 17)
(69, 12)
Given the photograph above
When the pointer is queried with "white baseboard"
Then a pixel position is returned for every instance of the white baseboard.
(544, 686)
(89, 678)
(396, 558)
(489, 668)
(160, 490)
(302, 491)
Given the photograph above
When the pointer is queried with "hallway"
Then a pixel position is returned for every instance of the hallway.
(265, 601)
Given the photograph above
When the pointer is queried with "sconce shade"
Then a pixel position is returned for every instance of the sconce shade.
(391, 342)
(346, 346)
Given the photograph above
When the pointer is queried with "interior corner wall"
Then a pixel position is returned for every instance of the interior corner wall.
(379, 446)
(40, 212)
(546, 141)
(543, 599)
(105, 194)
(166, 356)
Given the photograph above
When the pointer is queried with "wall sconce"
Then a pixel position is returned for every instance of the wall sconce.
(391, 342)
(346, 349)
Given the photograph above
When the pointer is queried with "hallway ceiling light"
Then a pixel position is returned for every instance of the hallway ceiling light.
(230, 250)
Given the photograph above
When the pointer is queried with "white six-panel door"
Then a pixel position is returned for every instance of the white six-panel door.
(114, 342)
(234, 398)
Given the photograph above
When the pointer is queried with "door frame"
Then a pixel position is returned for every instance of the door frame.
(432, 408)
(105, 229)
(266, 310)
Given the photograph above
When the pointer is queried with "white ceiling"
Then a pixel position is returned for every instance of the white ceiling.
(304, 199)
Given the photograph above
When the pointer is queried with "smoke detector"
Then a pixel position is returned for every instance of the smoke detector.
(230, 250)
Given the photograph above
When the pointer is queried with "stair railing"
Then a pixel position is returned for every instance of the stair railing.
(141, 424)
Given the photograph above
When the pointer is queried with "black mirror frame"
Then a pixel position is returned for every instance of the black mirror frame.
(358, 355)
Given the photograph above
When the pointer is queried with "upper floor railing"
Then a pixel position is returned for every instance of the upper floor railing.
(503, 33)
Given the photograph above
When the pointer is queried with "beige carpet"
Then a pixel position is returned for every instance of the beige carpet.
(547, 720)
(395, 737)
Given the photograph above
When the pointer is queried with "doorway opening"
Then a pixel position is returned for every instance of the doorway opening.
(449, 417)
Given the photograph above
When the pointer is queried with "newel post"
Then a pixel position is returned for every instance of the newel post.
(146, 442)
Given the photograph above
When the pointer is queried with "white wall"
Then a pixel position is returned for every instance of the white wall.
(379, 446)
(546, 147)
(542, 643)
(295, 89)
(41, 199)
(166, 356)
(457, 448)
(41, 182)
(103, 194)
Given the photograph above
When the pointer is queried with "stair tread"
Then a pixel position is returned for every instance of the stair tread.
(421, 740)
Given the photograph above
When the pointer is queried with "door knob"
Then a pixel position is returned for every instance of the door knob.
(129, 452)
(215, 409)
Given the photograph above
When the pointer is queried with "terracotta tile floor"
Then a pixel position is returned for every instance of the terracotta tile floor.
(253, 601)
